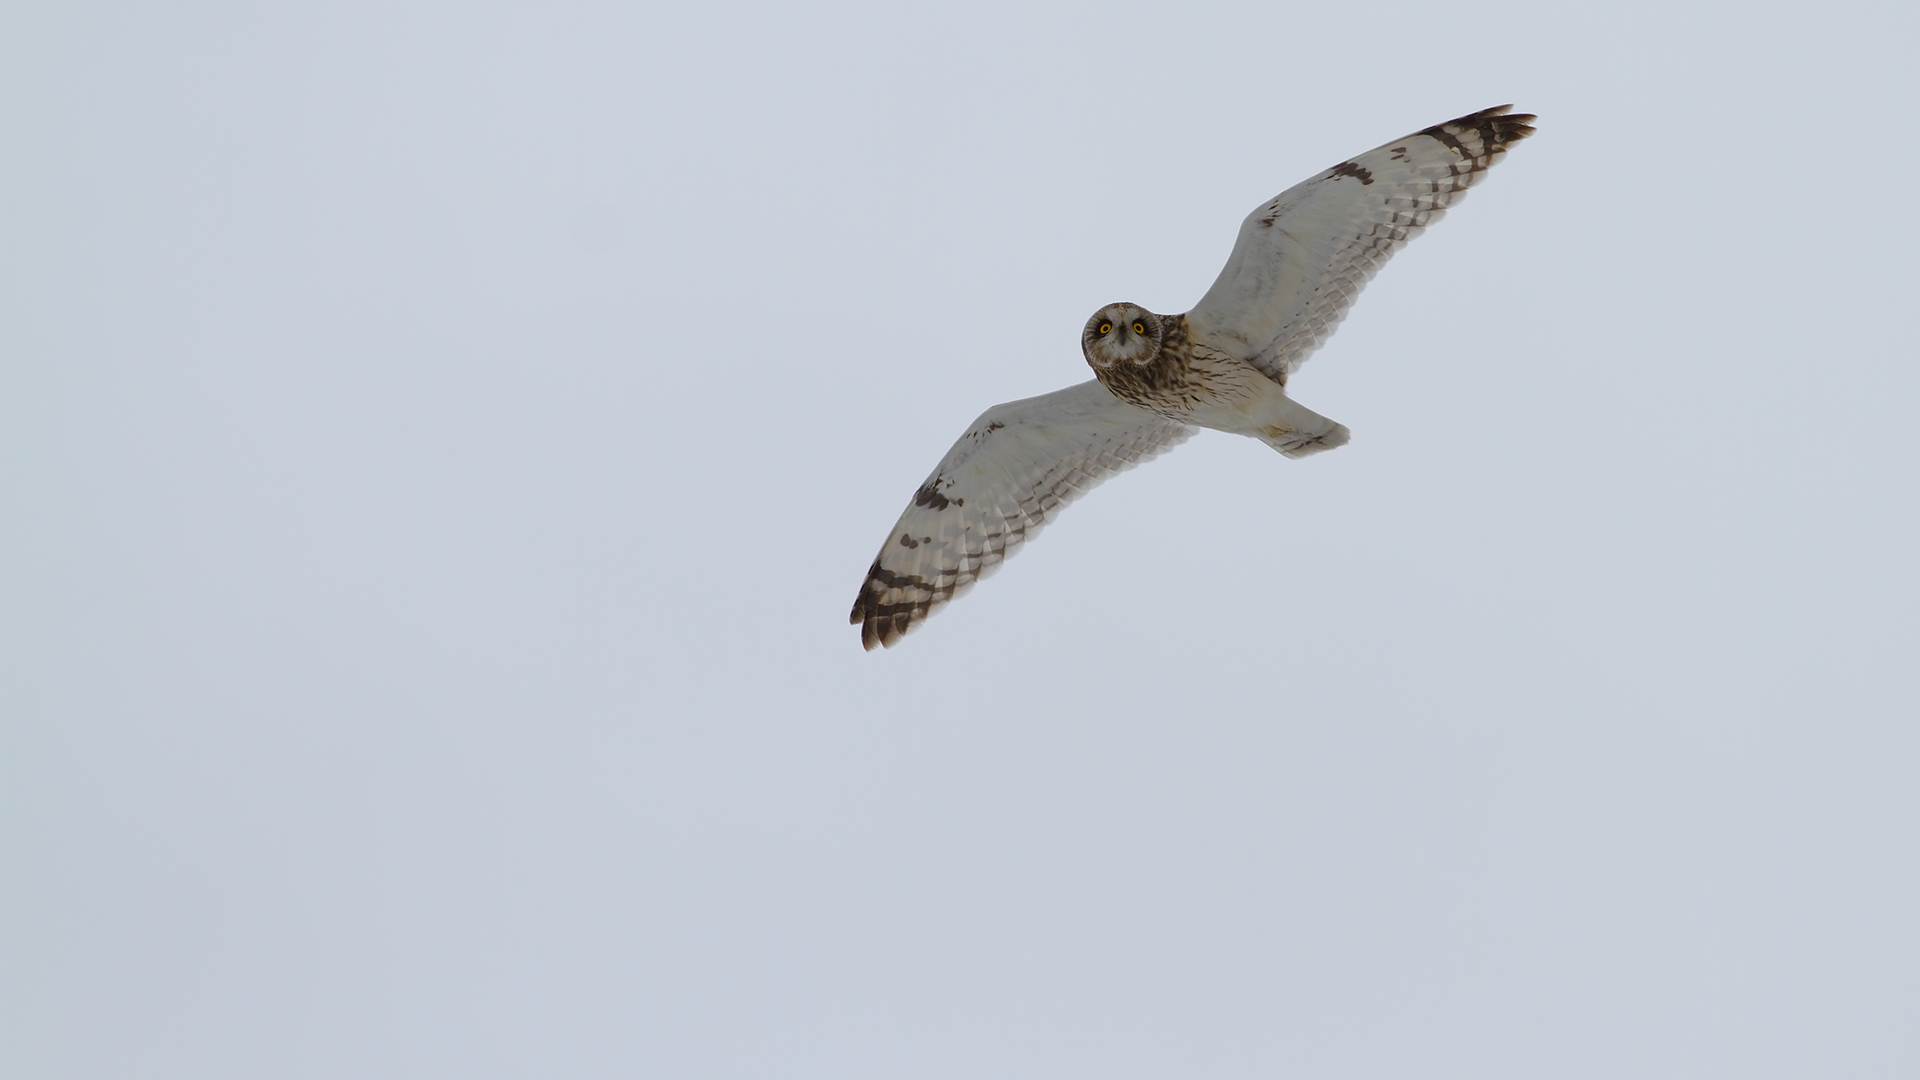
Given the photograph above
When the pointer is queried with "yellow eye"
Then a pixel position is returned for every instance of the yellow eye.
(1106, 328)
(1139, 328)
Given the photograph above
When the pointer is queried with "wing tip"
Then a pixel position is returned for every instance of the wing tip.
(882, 630)
(868, 620)
(882, 625)
(1500, 126)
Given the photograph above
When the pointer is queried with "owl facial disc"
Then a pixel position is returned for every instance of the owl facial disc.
(1121, 334)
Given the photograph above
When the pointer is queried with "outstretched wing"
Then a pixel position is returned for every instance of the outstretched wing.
(1303, 257)
(1013, 470)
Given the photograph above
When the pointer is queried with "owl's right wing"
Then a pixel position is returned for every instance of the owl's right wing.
(1013, 470)
(1303, 257)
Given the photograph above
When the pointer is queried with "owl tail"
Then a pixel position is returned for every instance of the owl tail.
(1297, 431)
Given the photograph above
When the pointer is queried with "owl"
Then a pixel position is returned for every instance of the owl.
(1297, 265)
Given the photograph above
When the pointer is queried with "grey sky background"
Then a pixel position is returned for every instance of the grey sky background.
(441, 444)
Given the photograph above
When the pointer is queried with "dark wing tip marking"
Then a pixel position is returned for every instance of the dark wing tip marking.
(1497, 128)
(883, 624)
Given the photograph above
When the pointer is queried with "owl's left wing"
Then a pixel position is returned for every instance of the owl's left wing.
(1303, 257)
(1013, 470)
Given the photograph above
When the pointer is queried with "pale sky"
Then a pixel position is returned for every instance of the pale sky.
(440, 444)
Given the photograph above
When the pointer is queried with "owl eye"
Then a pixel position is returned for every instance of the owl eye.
(1106, 328)
(1139, 328)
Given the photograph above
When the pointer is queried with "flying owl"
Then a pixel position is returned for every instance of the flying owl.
(1300, 260)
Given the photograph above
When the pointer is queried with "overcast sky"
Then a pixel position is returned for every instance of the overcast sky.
(440, 443)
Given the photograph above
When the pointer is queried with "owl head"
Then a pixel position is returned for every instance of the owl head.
(1121, 334)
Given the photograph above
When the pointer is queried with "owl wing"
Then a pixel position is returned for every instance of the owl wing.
(1013, 470)
(1302, 258)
